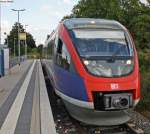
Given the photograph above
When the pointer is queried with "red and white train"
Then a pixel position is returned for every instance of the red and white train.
(93, 65)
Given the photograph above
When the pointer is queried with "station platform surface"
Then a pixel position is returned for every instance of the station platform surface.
(24, 103)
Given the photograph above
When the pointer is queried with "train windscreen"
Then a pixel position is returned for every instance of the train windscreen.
(104, 52)
(101, 42)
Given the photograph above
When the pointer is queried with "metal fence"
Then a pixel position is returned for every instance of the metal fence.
(14, 61)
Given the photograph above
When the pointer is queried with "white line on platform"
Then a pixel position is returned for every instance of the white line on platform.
(47, 121)
(10, 122)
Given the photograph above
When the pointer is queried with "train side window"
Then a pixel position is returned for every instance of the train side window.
(62, 56)
(65, 58)
(59, 47)
(50, 49)
(56, 42)
(59, 53)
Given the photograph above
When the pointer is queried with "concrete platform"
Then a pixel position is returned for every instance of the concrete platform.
(25, 108)
(8, 82)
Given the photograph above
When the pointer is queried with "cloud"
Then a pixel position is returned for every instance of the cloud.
(5, 26)
(39, 33)
(60, 2)
(45, 8)
(37, 29)
(144, 1)
(52, 12)
(51, 16)
(67, 1)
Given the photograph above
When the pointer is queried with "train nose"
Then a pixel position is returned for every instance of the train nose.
(120, 102)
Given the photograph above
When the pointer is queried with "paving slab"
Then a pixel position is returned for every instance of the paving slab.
(35, 119)
(27, 109)
(24, 121)
(11, 120)
(8, 82)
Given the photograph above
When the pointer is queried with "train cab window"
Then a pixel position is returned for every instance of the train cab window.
(59, 52)
(65, 58)
(50, 51)
(62, 56)
(56, 42)
(59, 47)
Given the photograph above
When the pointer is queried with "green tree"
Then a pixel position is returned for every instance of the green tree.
(140, 27)
(12, 39)
(40, 49)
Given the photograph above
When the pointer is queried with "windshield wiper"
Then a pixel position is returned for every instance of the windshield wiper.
(106, 58)
(113, 57)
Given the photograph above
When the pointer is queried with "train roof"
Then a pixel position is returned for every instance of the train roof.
(92, 23)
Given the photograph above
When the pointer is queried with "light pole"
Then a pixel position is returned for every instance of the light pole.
(14, 47)
(26, 49)
(18, 11)
(2, 1)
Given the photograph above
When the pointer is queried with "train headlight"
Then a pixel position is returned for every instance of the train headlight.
(86, 62)
(129, 62)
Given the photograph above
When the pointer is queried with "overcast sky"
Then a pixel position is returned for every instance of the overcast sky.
(41, 16)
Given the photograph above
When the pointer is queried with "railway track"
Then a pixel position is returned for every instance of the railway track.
(65, 124)
(134, 129)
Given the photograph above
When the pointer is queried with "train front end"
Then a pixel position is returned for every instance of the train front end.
(105, 58)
